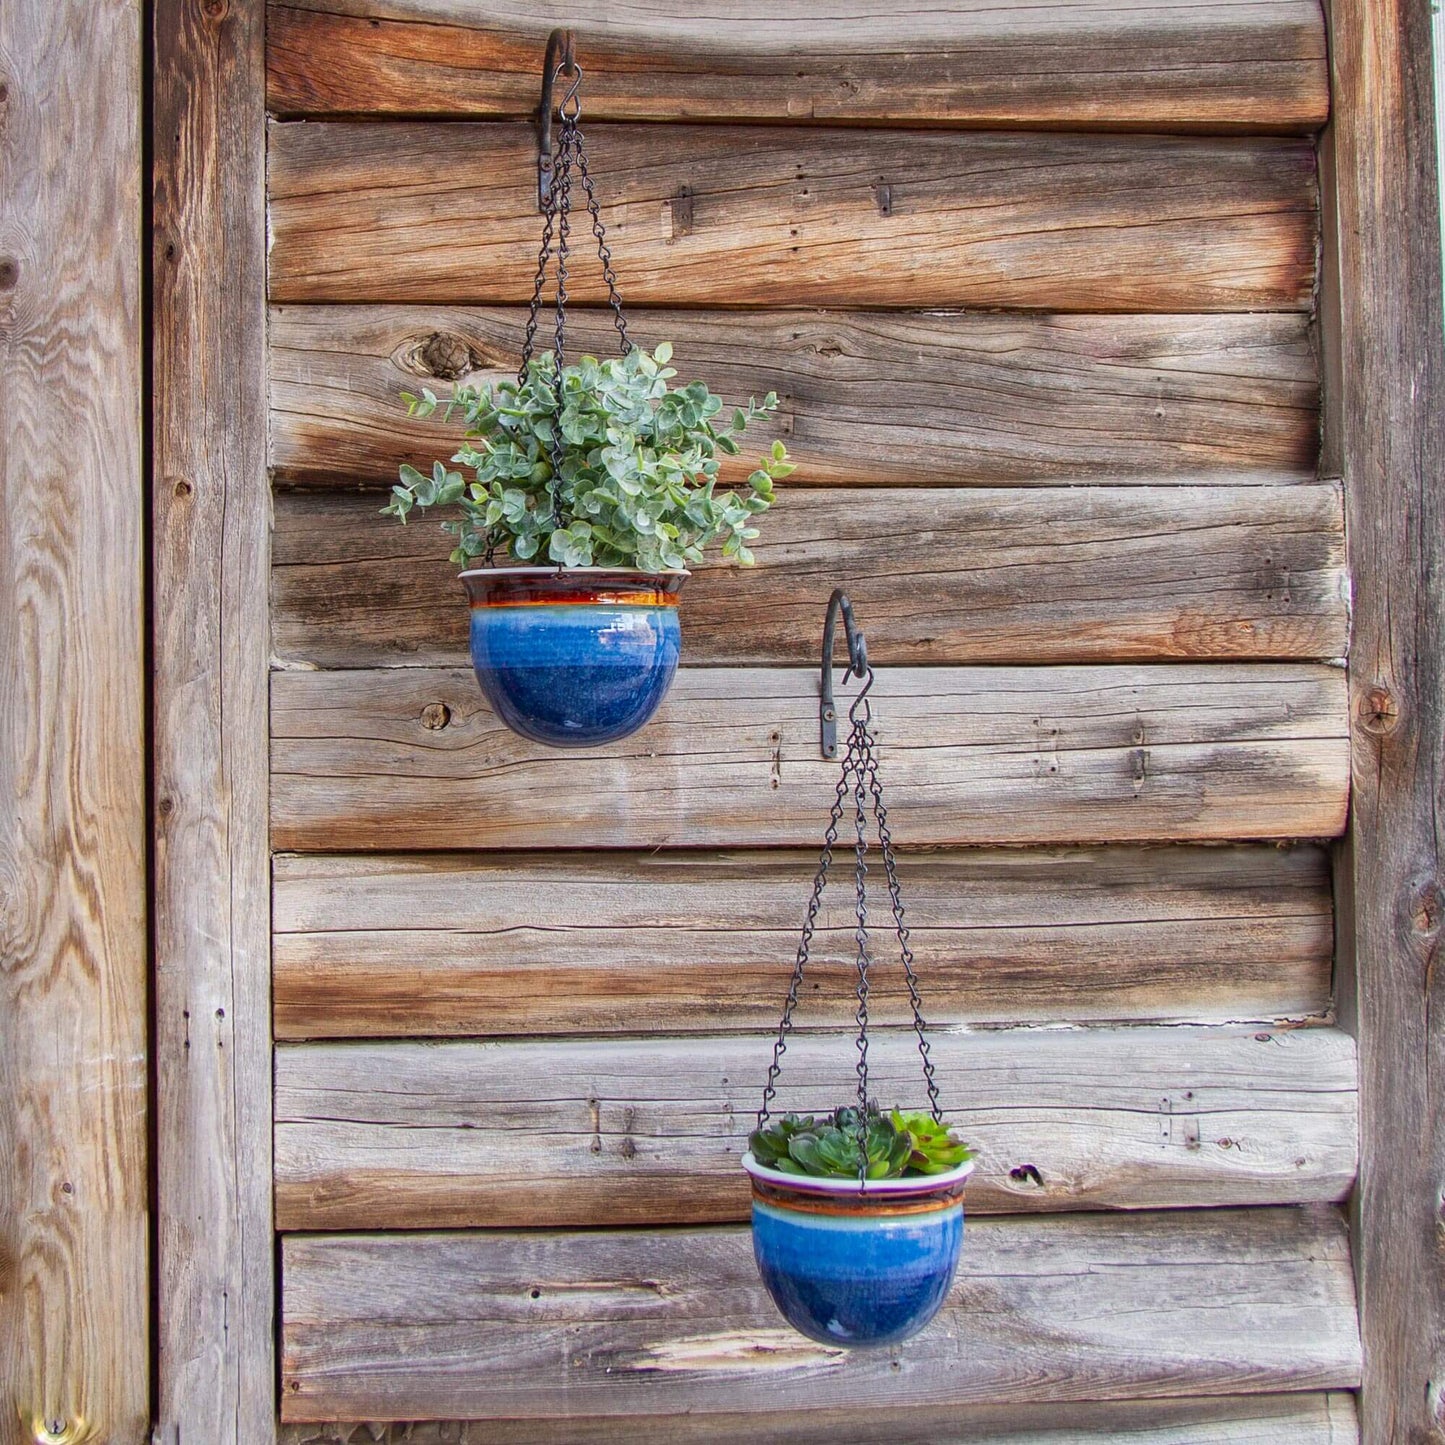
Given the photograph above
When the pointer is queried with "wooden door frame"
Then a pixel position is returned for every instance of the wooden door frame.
(211, 515)
(1385, 411)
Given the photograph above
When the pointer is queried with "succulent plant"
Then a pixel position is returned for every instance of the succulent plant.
(639, 467)
(896, 1145)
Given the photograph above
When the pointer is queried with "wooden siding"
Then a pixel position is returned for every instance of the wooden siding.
(1227, 66)
(535, 1325)
(75, 1298)
(1052, 574)
(1107, 593)
(907, 399)
(576, 944)
(412, 758)
(362, 212)
(426, 1135)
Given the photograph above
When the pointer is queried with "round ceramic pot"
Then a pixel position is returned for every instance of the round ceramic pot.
(851, 1264)
(574, 658)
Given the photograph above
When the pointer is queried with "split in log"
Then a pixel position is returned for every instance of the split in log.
(1303, 1419)
(536, 1325)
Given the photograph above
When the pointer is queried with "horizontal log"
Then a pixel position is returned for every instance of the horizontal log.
(456, 1135)
(577, 943)
(402, 758)
(1219, 67)
(873, 397)
(1318, 1419)
(534, 1325)
(780, 217)
(1052, 574)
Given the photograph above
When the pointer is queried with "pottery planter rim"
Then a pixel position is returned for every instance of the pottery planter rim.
(572, 572)
(877, 1188)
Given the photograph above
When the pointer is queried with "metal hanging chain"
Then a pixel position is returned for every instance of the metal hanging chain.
(905, 948)
(556, 230)
(810, 923)
(859, 780)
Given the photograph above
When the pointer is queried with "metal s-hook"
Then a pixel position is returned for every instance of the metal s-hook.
(561, 59)
(857, 667)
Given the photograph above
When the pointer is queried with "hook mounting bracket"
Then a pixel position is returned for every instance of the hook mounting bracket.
(561, 59)
(857, 667)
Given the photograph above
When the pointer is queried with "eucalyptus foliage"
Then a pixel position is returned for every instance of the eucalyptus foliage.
(896, 1144)
(638, 475)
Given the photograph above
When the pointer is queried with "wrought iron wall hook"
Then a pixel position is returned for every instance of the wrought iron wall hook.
(857, 667)
(561, 59)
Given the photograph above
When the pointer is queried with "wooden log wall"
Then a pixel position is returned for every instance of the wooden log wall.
(1036, 287)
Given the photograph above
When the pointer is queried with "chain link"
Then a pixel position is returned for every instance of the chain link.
(859, 781)
(556, 230)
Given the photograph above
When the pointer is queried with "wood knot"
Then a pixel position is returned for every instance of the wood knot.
(216, 9)
(1026, 1174)
(446, 355)
(9, 273)
(1379, 712)
(1425, 905)
(435, 716)
(443, 356)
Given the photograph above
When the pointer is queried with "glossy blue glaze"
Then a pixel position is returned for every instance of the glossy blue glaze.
(575, 674)
(867, 1278)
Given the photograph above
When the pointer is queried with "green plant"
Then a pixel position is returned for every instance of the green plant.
(896, 1144)
(639, 465)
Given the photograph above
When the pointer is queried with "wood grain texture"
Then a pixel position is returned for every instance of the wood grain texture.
(536, 1325)
(399, 1135)
(74, 1285)
(1381, 310)
(215, 1270)
(792, 218)
(873, 398)
(1301, 1419)
(460, 944)
(1221, 67)
(1055, 574)
(969, 755)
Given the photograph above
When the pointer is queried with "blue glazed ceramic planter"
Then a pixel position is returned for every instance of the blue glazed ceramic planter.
(578, 658)
(857, 1266)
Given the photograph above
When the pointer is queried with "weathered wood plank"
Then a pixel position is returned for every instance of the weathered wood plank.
(1056, 574)
(785, 217)
(1385, 427)
(1301, 1419)
(413, 758)
(905, 399)
(911, 399)
(74, 1286)
(540, 1326)
(1222, 67)
(399, 1135)
(215, 1268)
(576, 944)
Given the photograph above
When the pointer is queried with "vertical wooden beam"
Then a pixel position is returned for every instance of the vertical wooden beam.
(212, 556)
(1382, 317)
(74, 1297)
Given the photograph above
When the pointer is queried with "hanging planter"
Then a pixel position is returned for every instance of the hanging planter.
(598, 481)
(858, 1216)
